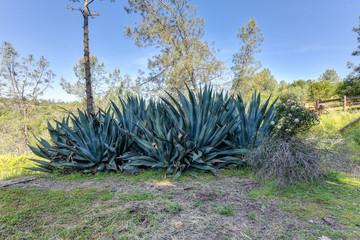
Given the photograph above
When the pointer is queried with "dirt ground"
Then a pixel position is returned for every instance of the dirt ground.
(215, 209)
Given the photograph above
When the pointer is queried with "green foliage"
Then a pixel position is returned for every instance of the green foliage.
(94, 143)
(103, 84)
(321, 90)
(255, 121)
(350, 86)
(264, 82)
(245, 65)
(296, 93)
(203, 132)
(225, 210)
(330, 75)
(173, 27)
(25, 79)
(11, 124)
(292, 118)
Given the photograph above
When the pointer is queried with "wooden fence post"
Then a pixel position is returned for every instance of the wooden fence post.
(344, 103)
(316, 105)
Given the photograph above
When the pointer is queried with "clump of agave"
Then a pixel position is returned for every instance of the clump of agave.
(202, 132)
(91, 143)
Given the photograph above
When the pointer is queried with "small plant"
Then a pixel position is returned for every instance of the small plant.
(172, 207)
(292, 118)
(252, 216)
(197, 204)
(225, 210)
(226, 238)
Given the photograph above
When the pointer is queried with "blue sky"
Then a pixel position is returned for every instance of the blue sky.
(303, 38)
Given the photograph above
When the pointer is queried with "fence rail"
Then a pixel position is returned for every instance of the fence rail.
(346, 103)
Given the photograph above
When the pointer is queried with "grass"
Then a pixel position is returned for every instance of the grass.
(334, 202)
(224, 210)
(28, 213)
(333, 121)
(73, 214)
(11, 166)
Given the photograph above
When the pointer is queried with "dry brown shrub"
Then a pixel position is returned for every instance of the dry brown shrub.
(294, 161)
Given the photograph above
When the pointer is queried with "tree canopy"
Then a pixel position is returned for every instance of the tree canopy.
(245, 65)
(23, 80)
(104, 84)
(174, 28)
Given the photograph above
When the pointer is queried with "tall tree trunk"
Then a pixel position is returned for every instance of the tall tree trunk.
(89, 96)
(193, 81)
(23, 111)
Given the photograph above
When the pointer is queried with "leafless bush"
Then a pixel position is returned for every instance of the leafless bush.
(293, 161)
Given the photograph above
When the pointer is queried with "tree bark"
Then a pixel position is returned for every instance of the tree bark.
(89, 95)
(23, 111)
(193, 81)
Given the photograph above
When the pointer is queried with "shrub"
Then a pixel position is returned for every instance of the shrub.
(292, 118)
(287, 162)
(296, 93)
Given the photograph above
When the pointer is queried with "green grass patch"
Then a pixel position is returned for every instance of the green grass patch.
(337, 199)
(333, 121)
(11, 166)
(30, 213)
(151, 175)
(224, 210)
(171, 207)
(73, 214)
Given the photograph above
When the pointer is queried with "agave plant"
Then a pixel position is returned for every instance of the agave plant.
(189, 135)
(133, 111)
(200, 132)
(255, 121)
(93, 143)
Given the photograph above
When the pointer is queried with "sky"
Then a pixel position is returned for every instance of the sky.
(302, 38)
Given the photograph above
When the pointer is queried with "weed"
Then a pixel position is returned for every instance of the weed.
(172, 207)
(225, 210)
(197, 204)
